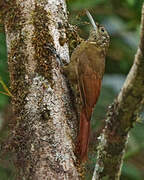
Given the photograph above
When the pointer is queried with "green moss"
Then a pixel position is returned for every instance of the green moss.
(42, 42)
(12, 16)
(72, 37)
(17, 60)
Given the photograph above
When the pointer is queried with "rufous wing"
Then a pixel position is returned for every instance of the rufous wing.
(90, 85)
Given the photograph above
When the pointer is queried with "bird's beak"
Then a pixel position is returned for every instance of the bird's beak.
(92, 21)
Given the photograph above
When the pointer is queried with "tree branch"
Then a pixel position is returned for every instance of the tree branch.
(120, 119)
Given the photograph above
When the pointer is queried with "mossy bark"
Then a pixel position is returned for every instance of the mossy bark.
(120, 119)
(46, 123)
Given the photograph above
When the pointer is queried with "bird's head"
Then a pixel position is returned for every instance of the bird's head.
(98, 34)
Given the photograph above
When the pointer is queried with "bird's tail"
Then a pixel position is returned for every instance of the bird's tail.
(84, 133)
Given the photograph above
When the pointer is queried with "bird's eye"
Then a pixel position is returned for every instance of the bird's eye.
(102, 29)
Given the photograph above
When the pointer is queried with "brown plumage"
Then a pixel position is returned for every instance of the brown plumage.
(87, 68)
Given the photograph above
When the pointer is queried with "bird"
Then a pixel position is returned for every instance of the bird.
(86, 68)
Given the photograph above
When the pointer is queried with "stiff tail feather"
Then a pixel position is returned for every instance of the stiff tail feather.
(84, 134)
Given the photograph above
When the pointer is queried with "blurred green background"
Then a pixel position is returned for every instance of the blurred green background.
(122, 21)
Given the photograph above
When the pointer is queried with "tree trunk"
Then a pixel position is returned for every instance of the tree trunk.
(46, 122)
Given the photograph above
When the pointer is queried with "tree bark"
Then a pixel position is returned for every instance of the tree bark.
(46, 122)
(120, 119)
